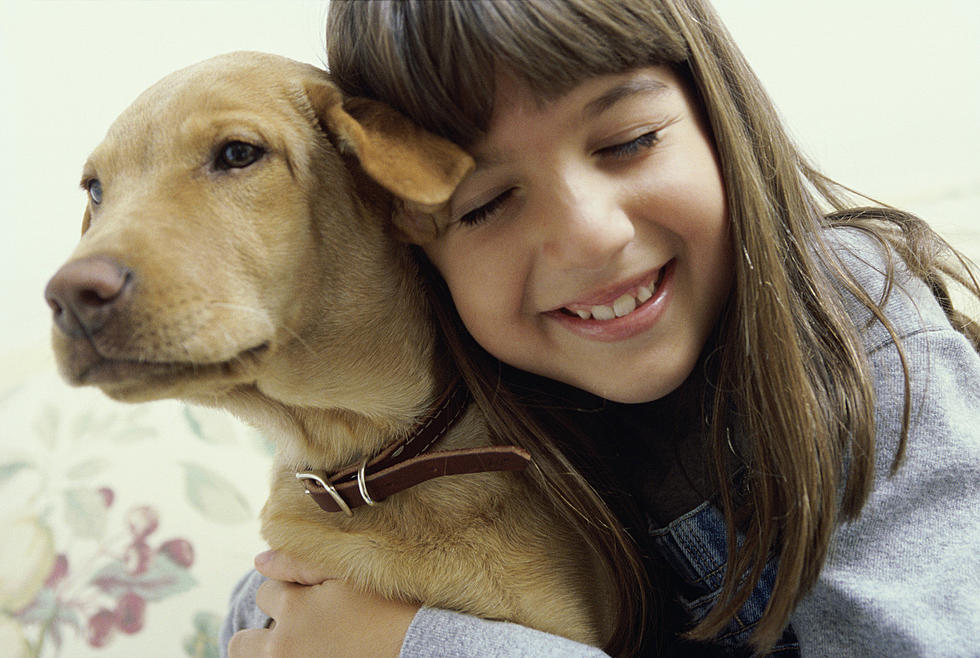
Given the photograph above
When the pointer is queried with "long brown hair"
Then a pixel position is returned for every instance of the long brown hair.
(790, 363)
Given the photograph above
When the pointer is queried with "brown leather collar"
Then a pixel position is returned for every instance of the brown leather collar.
(406, 463)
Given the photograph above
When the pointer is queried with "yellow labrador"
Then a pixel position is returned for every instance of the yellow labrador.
(238, 250)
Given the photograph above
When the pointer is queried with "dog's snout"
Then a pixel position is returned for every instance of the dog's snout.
(84, 294)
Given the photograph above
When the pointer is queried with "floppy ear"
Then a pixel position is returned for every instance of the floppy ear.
(419, 168)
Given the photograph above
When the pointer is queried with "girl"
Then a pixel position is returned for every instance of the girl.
(756, 400)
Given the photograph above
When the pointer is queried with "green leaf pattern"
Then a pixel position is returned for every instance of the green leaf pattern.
(215, 496)
(85, 512)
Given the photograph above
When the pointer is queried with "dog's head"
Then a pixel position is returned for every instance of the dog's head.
(239, 236)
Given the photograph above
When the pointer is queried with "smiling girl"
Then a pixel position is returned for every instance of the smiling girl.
(591, 245)
(753, 396)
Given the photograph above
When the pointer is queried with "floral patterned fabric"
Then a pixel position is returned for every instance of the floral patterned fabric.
(122, 527)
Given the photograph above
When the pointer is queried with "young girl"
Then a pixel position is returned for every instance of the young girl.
(756, 400)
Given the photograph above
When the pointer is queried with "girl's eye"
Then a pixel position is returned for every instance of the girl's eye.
(94, 188)
(487, 210)
(238, 155)
(632, 147)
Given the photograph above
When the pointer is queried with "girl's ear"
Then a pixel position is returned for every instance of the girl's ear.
(419, 168)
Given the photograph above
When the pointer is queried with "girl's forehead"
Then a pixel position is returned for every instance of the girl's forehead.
(521, 115)
(592, 96)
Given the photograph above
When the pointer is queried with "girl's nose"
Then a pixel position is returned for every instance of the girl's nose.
(584, 227)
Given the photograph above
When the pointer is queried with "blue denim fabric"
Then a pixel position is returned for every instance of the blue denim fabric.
(695, 548)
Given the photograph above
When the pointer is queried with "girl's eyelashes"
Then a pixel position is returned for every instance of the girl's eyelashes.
(622, 151)
(487, 210)
(632, 147)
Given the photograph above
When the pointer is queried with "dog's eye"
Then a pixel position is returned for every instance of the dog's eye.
(94, 188)
(238, 155)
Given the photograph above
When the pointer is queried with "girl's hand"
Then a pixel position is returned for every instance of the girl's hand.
(315, 614)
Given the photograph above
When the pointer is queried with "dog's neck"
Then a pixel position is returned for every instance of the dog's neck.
(331, 429)
(328, 438)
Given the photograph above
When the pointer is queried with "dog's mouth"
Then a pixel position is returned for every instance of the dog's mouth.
(133, 379)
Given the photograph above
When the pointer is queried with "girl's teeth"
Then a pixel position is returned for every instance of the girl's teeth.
(624, 305)
(603, 313)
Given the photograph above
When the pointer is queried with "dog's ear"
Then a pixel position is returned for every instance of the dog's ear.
(419, 168)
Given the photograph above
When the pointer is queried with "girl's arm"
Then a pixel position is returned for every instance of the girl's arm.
(323, 616)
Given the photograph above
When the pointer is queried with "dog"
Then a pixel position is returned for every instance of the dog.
(247, 245)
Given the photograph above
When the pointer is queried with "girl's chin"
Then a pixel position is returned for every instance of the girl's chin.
(635, 384)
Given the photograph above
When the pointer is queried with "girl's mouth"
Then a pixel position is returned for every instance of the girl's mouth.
(623, 305)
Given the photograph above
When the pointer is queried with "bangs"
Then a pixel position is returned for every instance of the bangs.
(436, 62)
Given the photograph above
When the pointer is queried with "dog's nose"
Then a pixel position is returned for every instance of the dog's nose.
(84, 293)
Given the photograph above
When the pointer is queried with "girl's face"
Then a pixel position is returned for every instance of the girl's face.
(591, 244)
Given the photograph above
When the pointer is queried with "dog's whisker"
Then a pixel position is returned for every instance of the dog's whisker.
(241, 307)
(299, 339)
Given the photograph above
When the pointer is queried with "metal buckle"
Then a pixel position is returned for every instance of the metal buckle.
(341, 503)
(362, 484)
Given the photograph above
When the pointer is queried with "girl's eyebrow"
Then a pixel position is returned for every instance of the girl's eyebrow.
(626, 89)
(593, 108)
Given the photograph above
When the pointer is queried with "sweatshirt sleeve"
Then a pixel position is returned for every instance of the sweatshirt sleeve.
(242, 611)
(442, 634)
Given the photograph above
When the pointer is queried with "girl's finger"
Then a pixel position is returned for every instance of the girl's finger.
(269, 596)
(279, 566)
(277, 598)
(249, 644)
